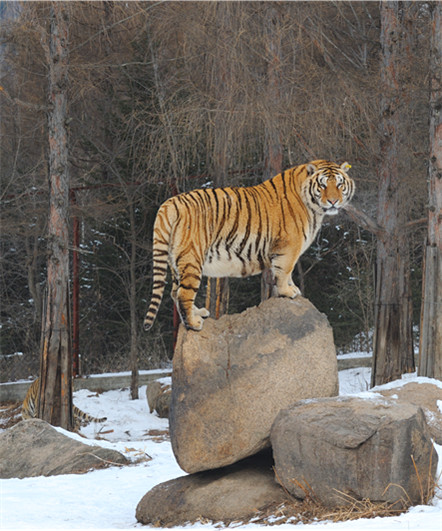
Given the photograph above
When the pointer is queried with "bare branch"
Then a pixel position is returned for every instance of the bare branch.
(364, 221)
(17, 101)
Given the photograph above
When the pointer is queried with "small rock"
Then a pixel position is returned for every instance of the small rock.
(158, 396)
(34, 448)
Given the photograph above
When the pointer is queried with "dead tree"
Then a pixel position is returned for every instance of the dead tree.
(430, 349)
(55, 400)
(392, 343)
(222, 87)
(274, 158)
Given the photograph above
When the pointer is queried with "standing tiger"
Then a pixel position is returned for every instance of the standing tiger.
(238, 232)
(29, 408)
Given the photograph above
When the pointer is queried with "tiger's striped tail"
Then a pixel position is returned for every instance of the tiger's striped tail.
(80, 417)
(161, 236)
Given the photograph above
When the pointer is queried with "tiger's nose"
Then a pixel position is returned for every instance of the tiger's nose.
(333, 201)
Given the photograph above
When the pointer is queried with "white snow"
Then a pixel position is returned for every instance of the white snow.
(352, 355)
(107, 499)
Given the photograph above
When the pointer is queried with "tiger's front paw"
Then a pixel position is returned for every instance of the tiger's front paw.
(291, 291)
(202, 312)
(195, 323)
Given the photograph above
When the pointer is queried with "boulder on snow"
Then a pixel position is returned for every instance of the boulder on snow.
(35, 448)
(158, 396)
(236, 492)
(423, 394)
(343, 448)
(231, 379)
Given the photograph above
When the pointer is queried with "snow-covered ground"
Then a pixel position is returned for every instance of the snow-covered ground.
(106, 499)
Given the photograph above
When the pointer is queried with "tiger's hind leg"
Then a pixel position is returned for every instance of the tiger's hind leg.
(201, 312)
(186, 282)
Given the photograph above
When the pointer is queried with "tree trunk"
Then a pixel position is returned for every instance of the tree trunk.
(218, 289)
(217, 296)
(274, 88)
(133, 305)
(430, 349)
(273, 133)
(55, 399)
(393, 344)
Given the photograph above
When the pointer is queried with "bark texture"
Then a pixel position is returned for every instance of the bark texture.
(55, 401)
(393, 343)
(430, 355)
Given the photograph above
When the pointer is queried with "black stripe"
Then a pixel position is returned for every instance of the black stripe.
(215, 196)
(284, 186)
(270, 181)
(258, 209)
(234, 230)
(264, 187)
(158, 252)
(249, 252)
(261, 260)
(200, 201)
(248, 225)
(190, 288)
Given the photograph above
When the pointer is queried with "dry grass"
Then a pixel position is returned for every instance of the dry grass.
(307, 511)
(310, 509)
(427, 490)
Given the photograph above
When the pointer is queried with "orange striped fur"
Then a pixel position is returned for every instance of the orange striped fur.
(238, 232)
(29, 408)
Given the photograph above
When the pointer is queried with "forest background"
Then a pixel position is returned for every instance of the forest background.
(164, 97)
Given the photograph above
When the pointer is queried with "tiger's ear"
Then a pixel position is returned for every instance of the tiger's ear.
(311, 168)
(345, 166)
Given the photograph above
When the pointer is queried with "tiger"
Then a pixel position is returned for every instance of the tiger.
(240, 231)
(29, 408)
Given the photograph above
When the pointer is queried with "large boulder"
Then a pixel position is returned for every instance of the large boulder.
(34, 448)
(342, 449)
(236, 492)
(231, 379)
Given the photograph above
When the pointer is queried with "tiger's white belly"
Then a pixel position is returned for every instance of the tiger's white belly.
(224, 264)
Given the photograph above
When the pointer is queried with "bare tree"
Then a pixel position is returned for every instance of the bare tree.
(430, 355)
(273, 37)
(160, 91)
(393, 344)
(55, 403)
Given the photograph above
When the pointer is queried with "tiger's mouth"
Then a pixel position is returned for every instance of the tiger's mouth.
(331, 210)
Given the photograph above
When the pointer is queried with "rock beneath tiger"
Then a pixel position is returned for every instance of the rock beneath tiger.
(34, 448)
(236, 492)
(231, 379)
(158, 396)
(338, 450)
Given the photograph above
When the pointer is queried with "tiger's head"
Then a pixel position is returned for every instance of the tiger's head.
(327, 187)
